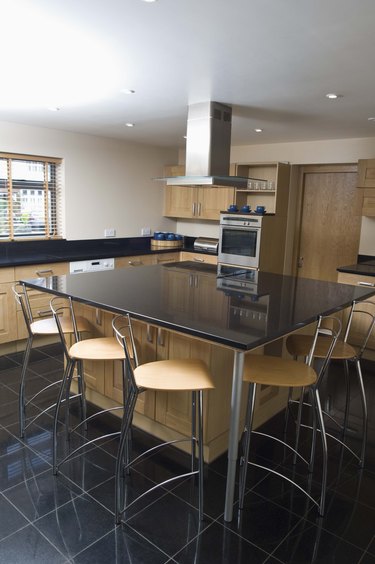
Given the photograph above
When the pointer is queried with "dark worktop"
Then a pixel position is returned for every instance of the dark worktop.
(365, 266)
(242, 318)
(18, 253)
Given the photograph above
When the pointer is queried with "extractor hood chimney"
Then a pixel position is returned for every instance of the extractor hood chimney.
(209, 127)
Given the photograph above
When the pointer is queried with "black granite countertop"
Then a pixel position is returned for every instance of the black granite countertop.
(365, 266)
(242, 318)
(19, 253)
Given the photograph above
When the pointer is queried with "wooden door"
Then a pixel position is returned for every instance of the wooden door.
(330, 221)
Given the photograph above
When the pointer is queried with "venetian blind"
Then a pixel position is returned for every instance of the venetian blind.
(30, 197)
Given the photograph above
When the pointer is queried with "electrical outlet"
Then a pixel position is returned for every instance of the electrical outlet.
(146, 231)
(110, 232)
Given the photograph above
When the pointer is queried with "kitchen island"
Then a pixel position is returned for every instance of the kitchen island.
(235, 313)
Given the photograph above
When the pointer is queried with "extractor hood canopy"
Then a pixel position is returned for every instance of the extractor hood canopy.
(209, 127)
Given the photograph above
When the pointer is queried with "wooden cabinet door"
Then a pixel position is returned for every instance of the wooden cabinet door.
(8, 323)
(173, 409)
(141, 260)
(366, 173)
(180, 201)
(359, 323)
(212, 200)
(39, 301)
(198, 257)
(167, 257)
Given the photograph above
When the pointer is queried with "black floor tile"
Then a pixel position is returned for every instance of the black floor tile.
(11, 520)
(308, 543)
(70, 518)
(121, 545)
(218, 544)
(19, 466)
(28, 545)
(76, 525)
(40, 495)
(168, 523)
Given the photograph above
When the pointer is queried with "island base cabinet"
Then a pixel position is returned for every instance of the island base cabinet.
(167, 415)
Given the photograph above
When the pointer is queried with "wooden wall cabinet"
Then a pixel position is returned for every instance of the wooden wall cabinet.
(273, 193)
(366, 183)
(197, 202)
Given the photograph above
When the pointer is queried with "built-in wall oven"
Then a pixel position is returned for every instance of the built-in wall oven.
(240, 239)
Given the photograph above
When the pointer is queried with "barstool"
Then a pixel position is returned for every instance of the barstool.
(190, 375)
(95, 349)
(280, 372)
(42, 327)
(299, 345)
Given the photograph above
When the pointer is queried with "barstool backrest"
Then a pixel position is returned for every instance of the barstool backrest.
(363, 313)
(22, 298)
(60, 307)
(123, 332)
(329, 328)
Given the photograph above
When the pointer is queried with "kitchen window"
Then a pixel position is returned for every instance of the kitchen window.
(30, 197)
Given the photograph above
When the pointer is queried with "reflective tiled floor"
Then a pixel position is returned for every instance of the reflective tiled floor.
(70, 518)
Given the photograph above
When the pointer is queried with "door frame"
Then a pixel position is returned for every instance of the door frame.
(299, 192)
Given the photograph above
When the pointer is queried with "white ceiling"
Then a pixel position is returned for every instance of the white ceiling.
(273, 61)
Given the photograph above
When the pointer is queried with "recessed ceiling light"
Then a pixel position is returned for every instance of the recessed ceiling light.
(129, 124)
(150, 1)
(127, 91)
(54, 109)
(258, 130)
(333, 96)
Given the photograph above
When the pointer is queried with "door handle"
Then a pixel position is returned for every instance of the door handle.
(300, 262)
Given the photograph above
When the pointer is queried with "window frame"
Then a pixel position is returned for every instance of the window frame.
(52, 194)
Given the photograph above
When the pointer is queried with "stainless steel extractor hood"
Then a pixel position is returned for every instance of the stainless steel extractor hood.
(209, 128)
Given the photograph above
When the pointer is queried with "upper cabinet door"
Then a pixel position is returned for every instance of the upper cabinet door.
(366, 173)
(212, 200)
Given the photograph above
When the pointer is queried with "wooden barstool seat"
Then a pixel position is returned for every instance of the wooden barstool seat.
(35, 328)
(174, 375)
(275, 371)
(300, 345)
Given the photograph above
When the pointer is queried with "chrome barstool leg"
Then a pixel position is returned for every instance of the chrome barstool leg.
(82, 392)
(318, 409)
(364, 412)
(347, 399)
(246, 447)
(298, 424)
(66, 378)
(200, 452)
(193, 429)
(21, 396)
(125, 428)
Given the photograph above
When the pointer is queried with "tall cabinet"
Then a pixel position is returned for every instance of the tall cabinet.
(366, 183)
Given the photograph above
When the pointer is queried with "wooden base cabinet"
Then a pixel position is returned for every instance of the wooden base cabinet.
(359, 325)
(168, 415)
(8, 322)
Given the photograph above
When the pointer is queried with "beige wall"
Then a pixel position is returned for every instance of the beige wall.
(108, 183)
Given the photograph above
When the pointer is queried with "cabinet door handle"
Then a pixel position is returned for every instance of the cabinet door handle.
(149, 333)
(193, 209)
(135, 262)
(42, 272)
(43, 313)
(199, 208)
(371, 284)
(160, 260)
(98, 316)
(160, 337)
(196, 259)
